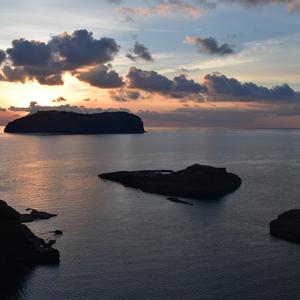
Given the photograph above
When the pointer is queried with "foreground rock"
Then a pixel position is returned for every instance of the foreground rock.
(19, 244)
(196, 181)
(56, 122)
(287, 226)
(35, 215)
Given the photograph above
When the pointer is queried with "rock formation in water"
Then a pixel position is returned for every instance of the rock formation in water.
(19, 244)
(287, 226)
(196, 181)
(35, 215)
(57, 122)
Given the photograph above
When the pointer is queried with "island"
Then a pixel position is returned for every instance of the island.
(196, 181)
(19, 244)
(62, 122)
(287, 226)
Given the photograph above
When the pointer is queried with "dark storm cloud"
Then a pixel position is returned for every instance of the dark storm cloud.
(29, 53)
(47, 62)
(222, 88)
(209, 46)
(101, 76)
(151, 81)
(81, 49)
(214, 88)
(140, 51)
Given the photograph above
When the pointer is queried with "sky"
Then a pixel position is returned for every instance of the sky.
(196, 63)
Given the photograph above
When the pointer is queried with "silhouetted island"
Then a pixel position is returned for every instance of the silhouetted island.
(58, 122)
(19, 244)
(196, 181)
(287, 226)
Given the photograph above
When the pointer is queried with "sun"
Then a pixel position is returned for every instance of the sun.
(22, 94)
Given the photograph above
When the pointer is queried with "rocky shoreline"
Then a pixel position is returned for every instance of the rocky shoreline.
(19, 244)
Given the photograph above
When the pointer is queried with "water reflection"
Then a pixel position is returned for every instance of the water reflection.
(13, 277)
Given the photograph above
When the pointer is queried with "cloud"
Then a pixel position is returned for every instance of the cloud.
(124, 95)
(222, 88)
(47, 62)
(81, 49)
(164, 8)
(7, 116)
(215, 87)
(2, 56)
(151, 81)
(35, 107)
(117, 2)
(59, 99)
(190, 8)
(292, 5)
(140, 51)
(29, 53)
(101, 76)
(14, 74)
(266, 116)
(209, 45)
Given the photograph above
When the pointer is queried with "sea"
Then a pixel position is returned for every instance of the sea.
(123, 244)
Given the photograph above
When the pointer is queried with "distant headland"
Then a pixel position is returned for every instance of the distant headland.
(59, 122)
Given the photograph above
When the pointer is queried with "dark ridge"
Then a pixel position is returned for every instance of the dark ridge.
(287, 226)
(58, 122)
(196, 181)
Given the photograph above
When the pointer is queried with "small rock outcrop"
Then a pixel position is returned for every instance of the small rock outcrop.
(61, 122)
(196, 181)
(35, 215)
(19, 244)
(58, 232)
(287, 226)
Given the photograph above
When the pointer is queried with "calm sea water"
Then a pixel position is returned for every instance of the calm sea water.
(120, 243)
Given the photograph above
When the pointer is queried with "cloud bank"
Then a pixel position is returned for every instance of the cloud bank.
(47, 62)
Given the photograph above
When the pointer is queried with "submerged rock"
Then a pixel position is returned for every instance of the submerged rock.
(287, 226)
(36, 215)
(19, 244)
(196, 181)
(61, 122)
